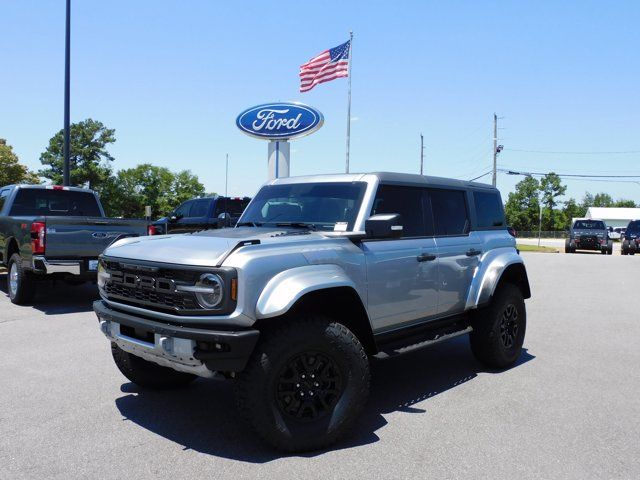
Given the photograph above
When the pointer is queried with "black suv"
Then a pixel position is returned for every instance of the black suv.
(588, 234)
(631, 238)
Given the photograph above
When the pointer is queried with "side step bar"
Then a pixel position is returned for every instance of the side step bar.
(422, 334)
(424, 343)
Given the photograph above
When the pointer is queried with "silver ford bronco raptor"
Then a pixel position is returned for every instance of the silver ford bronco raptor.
(320, 274)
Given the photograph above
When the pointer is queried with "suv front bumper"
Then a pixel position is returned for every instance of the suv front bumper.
(193, 350)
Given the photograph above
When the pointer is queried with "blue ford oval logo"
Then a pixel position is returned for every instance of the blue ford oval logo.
(280, 121)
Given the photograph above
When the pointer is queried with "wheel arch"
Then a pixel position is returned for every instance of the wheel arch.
(341, 303)
(10, 248)
(498, 267)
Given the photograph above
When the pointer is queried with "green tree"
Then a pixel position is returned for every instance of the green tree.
(551, 188)
(602, 200)
(625, 203)
(89, 160)
(130, 190)
(522, 207)
(11, 170)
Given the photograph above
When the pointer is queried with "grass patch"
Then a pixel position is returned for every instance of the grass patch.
(535, 248)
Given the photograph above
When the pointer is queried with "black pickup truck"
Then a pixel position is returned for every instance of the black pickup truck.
(202, 214)
(589, 234)
(54, 232)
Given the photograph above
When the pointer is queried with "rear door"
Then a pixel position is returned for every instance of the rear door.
(459, 254)
(402, 274)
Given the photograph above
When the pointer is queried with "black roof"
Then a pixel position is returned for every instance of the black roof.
(420, 180)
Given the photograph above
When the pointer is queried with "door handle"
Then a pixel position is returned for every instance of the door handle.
(426, 257)
(473, 252)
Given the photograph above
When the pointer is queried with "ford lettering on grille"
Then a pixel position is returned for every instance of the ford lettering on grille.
(160, 285)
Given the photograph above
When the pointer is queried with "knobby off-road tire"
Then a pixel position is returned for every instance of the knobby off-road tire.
(148, 374)
(567, 246)
(624, 248)
(498, 330)
(306, 383)
(20, 284)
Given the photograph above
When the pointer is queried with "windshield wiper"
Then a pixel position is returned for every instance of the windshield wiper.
(309, 226)
(249, 224)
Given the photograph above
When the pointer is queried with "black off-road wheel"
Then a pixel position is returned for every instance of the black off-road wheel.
(567, 246)
(498, 330)
(20, 284)
(148, 374)
(306, 383)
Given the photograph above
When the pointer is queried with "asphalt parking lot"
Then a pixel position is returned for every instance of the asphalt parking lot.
(569, 409)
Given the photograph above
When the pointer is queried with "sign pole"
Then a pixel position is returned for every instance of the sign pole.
(349, 101)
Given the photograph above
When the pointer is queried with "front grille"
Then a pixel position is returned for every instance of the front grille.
(588, 240)
(151, 287)
(151, 298)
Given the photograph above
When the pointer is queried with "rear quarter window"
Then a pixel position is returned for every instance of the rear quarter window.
(489, 212)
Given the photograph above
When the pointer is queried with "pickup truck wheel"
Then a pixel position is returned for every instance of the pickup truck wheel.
(498, 331)
(20, 285)
(305, 384)
(567, 246)
(148, 374)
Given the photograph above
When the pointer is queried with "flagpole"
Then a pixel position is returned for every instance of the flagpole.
(349, 100)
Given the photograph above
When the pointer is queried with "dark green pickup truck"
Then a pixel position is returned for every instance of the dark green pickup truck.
(54, 232)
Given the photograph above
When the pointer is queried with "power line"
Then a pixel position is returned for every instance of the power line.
(576, 175)
(624, 152)
(483, 175)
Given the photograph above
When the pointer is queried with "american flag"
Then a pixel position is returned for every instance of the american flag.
(329, 65)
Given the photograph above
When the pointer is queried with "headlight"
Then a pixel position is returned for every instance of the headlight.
(209, 291)
(103, 276)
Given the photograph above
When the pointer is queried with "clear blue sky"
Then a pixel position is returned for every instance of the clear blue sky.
(171, 77)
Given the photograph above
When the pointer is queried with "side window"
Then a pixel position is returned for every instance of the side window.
(407, 201)
(199, 208)
(488, 209)
(3, 197)
(183, 210)
(450, 213)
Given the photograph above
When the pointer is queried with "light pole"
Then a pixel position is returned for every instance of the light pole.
(65, 146)
(539, 222)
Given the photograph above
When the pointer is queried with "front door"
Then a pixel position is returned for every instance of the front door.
(402, 274)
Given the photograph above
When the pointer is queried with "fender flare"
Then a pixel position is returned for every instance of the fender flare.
(286, 288)
(489, 273)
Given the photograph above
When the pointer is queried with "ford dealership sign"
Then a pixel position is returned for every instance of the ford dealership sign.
(280, 121)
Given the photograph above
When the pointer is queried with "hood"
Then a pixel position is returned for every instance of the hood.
(207, 248)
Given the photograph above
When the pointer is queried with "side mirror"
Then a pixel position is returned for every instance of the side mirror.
(384, 225)
(173, 218)
(224, 219)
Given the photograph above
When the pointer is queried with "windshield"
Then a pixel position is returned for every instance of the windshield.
(589, 225)
(325, 206)
(634, 227)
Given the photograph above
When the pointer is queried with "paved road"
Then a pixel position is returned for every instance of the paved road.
(569, 409)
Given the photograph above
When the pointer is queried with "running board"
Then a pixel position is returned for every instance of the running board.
(424, 343)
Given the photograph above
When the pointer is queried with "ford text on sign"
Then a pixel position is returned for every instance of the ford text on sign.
(280, 121)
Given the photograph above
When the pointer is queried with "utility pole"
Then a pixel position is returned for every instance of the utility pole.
(495, 148)
(65, 147)
(421, 153)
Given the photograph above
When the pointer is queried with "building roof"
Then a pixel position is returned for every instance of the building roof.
(613, 213)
